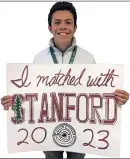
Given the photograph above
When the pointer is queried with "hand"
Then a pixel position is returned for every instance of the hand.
(121, 96)
(7, 101)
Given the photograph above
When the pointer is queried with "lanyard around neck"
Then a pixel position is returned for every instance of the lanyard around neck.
(71, 58)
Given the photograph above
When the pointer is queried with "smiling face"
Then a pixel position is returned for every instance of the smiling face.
(62, 27)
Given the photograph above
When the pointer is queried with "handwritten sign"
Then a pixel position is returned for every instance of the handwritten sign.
(64, 107)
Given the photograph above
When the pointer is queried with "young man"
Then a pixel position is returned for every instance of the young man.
(62, 23)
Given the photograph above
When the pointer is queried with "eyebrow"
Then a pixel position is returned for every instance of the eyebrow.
(65, 19)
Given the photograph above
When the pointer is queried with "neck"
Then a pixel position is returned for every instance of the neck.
(62, 47)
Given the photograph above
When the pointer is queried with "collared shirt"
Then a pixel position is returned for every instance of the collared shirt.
(82, 55)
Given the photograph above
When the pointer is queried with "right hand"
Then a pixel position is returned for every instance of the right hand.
(7, 101)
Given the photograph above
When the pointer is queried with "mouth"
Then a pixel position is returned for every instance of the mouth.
(63, 34)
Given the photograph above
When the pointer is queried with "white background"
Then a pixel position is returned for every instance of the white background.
(103, 30)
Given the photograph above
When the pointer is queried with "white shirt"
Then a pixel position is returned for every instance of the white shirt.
(82, 56)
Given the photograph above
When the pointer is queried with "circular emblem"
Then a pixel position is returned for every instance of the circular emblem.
(64, 135)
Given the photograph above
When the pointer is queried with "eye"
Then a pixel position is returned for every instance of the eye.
(68, 22)
(57, 22)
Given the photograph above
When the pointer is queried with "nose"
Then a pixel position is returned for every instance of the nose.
(63, 26)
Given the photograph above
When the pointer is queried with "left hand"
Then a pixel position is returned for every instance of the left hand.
(121, 96)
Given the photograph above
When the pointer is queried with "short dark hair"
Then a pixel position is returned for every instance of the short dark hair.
(62, 6)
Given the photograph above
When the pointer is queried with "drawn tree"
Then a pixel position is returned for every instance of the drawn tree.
(17, 108)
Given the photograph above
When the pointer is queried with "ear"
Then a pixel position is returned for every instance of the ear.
(49, 28)
(75, 28)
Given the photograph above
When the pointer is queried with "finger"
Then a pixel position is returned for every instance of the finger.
(6, 108)
(6, 97)
(122, 91)
(120, 103)
(122, 95)
(7, 105)
(6, 101)
(120, 100)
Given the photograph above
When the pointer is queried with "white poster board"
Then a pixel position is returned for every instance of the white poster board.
(64, 107)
